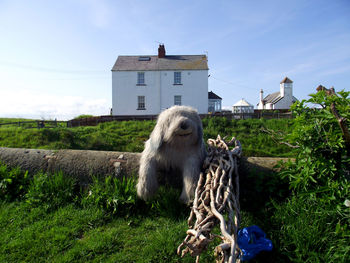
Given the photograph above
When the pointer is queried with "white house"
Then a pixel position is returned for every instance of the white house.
(214, 102)
(242, 106)
(278, 100)
(146, 85)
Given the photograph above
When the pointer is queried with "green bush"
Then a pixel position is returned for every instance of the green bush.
(314, 224)
(51, 191)
(323, 159)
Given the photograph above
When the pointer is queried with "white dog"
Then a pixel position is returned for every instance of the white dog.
(176, 143)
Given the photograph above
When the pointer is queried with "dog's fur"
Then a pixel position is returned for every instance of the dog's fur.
(176, 143)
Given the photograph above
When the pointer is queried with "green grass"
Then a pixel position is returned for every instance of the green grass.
(130, 136)
(48, 218)
(55, 221)
(72, 234)
(312, 231)
(9, 120)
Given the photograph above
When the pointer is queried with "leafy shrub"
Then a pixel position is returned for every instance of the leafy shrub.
(51, 191)
(313, 225)
(323, 161)
(13, 183)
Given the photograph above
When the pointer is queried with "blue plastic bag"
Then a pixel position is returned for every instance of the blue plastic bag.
(252, 240)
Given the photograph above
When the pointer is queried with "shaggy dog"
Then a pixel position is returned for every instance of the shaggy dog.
(175, 144)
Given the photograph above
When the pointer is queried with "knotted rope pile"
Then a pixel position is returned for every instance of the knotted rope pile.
(216, 198)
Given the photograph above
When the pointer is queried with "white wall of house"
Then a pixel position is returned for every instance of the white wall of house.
(159, 91)
(286, 90)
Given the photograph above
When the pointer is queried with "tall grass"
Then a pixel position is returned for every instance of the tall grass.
(309, 230)
(51, 191)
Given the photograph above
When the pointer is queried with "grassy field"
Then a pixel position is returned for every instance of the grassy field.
(48, 218)
(130, 136)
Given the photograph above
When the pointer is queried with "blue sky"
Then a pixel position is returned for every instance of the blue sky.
(56, 56)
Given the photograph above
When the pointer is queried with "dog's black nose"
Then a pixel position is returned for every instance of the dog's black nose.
(184, 125)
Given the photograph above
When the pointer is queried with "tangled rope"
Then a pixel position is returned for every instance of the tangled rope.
(216, 197)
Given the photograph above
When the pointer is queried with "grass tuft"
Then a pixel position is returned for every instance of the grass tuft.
(51, 191)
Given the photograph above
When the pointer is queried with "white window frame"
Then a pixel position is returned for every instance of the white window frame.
(178, 100)
(141, 102)
(177, 78)
(140, 78)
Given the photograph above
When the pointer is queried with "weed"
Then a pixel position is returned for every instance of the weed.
(51, 191)
(115, 195)
(13, 183)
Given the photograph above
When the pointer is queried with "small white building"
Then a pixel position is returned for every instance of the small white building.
(214, 102)
(278, 100)
(146, 85)
(242, 106)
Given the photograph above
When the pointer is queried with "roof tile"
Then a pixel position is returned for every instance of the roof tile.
(181, 62)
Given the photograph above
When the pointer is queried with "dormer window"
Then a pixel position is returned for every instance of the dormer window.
(140, 78)
(144, 58)
(177, 78)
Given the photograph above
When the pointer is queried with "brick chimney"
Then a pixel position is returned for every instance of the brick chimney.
(161, 51)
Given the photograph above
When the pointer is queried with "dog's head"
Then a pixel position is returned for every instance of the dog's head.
(178, 126)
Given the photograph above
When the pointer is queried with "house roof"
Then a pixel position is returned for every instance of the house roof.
(286, 80)
(242, 103)
(275, 97)
(213, 96)
(180, 62)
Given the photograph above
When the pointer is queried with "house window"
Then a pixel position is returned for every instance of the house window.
(177, 100)
(177, 78)
(141, 105)
(140, 78)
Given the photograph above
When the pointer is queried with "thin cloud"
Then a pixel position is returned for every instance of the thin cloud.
(45, 106)
(100, 12)
(50, 70)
